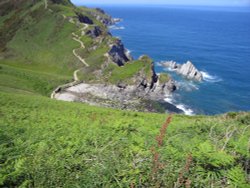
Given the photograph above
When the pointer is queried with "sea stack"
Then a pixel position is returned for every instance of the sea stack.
(187, 70)
(190, 71)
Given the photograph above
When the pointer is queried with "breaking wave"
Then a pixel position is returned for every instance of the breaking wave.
(187, 111)
(187, 86)
(115, 27)
(210, 78)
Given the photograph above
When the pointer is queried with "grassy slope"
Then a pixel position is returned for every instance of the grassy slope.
(46, 143)
(48, 56)
(125, 74)
(38, 61)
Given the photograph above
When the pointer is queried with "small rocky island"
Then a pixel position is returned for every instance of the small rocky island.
(187, 70)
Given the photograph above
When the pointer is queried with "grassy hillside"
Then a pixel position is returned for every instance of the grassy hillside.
(34, 56)
(36, 44)
(48, 143)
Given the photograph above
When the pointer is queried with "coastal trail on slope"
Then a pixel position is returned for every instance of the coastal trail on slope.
(76, 79)
(77, 39)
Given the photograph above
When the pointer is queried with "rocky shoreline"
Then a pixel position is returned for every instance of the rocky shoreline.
(145, 93)
(129, 98)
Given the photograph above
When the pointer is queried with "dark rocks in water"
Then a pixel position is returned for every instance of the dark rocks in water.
(118, 53)
(84, 19)
(95, 32)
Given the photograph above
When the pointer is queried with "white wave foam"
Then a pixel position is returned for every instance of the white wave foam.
(158, 64)
(188, 86)
(185, 109)
(169, 99)
(128, 51)
(210, 78)
(169, 69)
(114, 27)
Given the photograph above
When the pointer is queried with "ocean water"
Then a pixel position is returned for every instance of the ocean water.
(216, 40)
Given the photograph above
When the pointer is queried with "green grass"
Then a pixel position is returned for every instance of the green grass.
(127, 72)
(48, 47)
(164, 77)
(29, 80)
(61, 9)
(47, 143)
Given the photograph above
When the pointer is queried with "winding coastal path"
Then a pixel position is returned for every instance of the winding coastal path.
(76, 79)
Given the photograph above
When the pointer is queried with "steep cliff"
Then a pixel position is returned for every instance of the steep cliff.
(118, 53)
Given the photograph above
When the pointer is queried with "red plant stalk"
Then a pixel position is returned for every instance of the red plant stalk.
(160, 137)
(132, 185)
(159, 140)
(188, 183)
(185, 169)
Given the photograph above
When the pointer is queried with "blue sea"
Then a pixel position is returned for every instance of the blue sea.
(215, 39)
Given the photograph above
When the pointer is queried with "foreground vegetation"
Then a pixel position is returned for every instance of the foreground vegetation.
(48, 143)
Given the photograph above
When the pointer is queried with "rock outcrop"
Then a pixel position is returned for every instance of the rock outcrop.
(187, 70)
(190, 71)
(145, 94)
(123, 97)
(153, 88)
(170, 86)
(95, 32)
(84, 19)
(103, 17)
(118, 53)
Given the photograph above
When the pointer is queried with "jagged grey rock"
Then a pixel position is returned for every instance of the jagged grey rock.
(118, 53)
(190, 71)
(187, 70)
(95, 32)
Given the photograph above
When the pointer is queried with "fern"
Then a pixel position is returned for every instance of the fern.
(236, 177)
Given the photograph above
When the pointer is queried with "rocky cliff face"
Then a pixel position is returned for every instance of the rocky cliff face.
(84, 19)
(145, 94)
(106, 19)
(187, 70)
(152, 88)
(95, 32)
(118, 53)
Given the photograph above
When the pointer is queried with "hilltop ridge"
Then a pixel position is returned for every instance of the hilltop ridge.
(108, 60)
